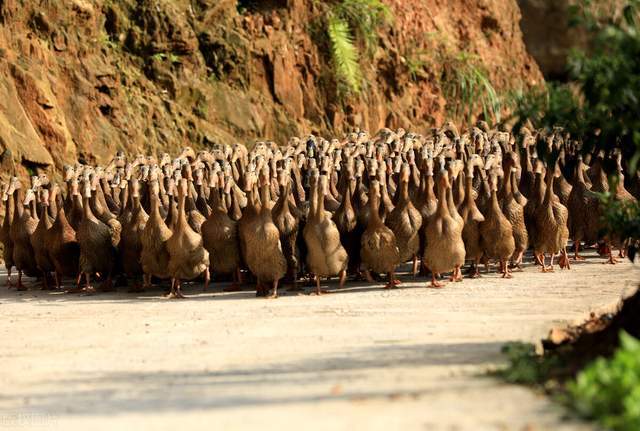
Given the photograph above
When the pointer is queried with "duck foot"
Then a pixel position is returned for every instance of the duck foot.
(612, 260)
(274, 291)
(435, 284)
(175, 295)
(176, 291)
(88, 291)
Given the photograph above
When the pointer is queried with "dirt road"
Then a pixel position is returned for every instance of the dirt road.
(363, 358)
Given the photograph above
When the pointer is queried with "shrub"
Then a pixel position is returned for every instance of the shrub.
(608, 390)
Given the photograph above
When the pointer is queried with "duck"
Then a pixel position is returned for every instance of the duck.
(263, 250)
(326, 257)
(346, 218)
(287, 219)
(188, 258)
(5, 237)
(154, 256)
(444, 250)
(22, 227)
(131, 243)
(496, 231)
(582, 205)
(472, 217)
(60, 241)
(220, 235)
(378, 247)
(534, 200)
(98, 244)
(40, 251)
(551, 225)
(405, 221)
(514, 212)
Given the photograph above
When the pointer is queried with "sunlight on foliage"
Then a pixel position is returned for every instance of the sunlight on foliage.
(468, 89)
(608, 390)
(344, 53)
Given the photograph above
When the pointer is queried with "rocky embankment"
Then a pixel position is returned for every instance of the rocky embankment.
(82, 79)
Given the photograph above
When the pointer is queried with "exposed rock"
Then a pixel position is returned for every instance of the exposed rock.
(83, 79)
(546, 31)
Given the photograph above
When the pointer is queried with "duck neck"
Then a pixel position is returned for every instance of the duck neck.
(403, 197)
(86, 208)
(549, 183)
(468, 196)
(508, 187)
(182, 215)
(374, 207)
(265, 198)
(443, 208)
(18, 209)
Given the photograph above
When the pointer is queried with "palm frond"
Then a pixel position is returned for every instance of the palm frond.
(344, 53)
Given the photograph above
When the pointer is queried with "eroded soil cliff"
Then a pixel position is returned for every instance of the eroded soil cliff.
(82, 79)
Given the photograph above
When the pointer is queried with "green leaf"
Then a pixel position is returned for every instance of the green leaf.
(344, 53)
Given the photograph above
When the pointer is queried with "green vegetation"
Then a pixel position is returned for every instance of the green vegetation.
(608, 390)
(600, 103)
(525, 365)
(344, 53)
(162, 56)
(468, 89)
(347, 24)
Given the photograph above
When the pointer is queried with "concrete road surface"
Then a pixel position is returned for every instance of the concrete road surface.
(358, 358)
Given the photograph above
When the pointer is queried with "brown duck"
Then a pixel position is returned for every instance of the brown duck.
(514, 212)
(444, 251)
(325, 255)
(378, 247)
(188, 258)
(220, 235)
(40, 251)
(263, 252)
(23, 225)
(405, 222)
(496, 231)
(131, 242)
(5, 237)
(472, 217)
(154, 256)
(98, 244)
(64, 250)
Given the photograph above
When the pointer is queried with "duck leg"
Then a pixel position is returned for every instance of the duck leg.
(146, 281)
(576, 248)
(475, 268)
(612, 260)
(274, 292)
(236, 281)
(458, 273)
(8, 283)
(343, 277)
(176, 292)
(504, 267)
(414, 270)
(368, 277)
(319, 291)
(56, 277)
(45, 281)
(207, 279)
(88, 288)
(392, 283)
(434, 283)
(20, 286)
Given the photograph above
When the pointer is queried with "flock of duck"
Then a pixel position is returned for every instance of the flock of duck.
(314, 208)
